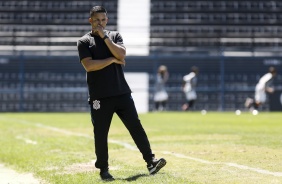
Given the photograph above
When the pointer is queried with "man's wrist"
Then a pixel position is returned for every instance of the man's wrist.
(105, 37)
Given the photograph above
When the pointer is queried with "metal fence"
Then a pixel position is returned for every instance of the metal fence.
(57, 83)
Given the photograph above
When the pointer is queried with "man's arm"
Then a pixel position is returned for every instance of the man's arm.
(269, 89)
(93, 65)
(117, 50)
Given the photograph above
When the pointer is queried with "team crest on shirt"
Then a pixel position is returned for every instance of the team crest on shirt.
(96, 104)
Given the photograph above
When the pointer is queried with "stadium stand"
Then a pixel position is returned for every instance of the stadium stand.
(209, 26)
(47, 25)
(176, 26)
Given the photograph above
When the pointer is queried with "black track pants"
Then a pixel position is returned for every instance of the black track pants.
(102, 111)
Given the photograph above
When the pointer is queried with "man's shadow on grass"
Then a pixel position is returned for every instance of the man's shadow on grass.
(135, 177)
(131, 178)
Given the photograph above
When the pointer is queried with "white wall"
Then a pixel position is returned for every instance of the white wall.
(139, 84)
(134, 25)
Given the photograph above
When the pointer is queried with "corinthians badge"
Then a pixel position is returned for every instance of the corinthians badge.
(96, 104)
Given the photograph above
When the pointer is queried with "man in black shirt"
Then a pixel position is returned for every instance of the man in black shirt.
(102, 54)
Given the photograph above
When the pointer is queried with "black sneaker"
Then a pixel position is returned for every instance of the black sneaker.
(105, 175)
(155, 165)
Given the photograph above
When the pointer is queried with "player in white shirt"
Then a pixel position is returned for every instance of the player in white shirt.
(263, 87)
(161, 95)
(189, 88)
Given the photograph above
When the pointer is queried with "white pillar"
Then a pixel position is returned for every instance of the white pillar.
(134, 25)
(139, 84)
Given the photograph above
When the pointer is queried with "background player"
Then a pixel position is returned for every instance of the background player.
(264, 86)
(161, 95)
(189, 88)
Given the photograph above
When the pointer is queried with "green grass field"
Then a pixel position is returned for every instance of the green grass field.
(218, 148)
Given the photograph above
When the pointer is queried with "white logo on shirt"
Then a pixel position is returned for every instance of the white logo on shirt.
(96, 104)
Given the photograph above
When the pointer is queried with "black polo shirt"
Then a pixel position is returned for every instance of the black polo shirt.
(109, 81)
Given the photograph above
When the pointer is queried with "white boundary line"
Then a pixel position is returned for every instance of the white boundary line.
(126, 145)
(130, 147)
(28, 141)
(9, 176)
(262, 171)
(258, 170)
(188, 157)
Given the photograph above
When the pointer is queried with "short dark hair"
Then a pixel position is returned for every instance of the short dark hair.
(272, 70)
(195, 69)
(97, 9)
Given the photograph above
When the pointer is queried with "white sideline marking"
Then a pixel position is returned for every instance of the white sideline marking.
(254, 169)
(9, 176)
(191, 158)
(28, 141)
(130, 147)
(126, 145)
(258, 170)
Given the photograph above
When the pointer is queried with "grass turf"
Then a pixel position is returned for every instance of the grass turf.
(212, 148)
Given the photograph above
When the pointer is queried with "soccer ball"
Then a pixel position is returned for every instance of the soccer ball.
(238, 112)
(204, 112)
(255, 112)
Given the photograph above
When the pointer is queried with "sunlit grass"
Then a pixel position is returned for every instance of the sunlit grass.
(58, 147)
